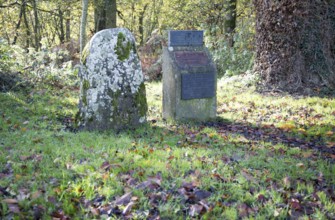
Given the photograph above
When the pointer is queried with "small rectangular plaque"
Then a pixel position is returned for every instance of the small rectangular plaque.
(197, 85)
(186, 38)
(191, 58)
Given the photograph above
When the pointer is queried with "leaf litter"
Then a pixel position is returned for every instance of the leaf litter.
(211, 184)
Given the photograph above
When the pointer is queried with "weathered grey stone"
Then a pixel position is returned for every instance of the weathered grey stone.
(112, 91)
(182, 63)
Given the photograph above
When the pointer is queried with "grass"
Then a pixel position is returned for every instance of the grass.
(265, 157)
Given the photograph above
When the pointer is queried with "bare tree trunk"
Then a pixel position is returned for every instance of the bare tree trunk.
(68, 26)
(155, 12)
(110, 7)
(230, 20)
(24, 5)
(295, 44)
(140, 27)
(83, 25)
(99, 17)
(105, 15)
(133, 18)
(61, 26)
(36, 27)
(18, 25)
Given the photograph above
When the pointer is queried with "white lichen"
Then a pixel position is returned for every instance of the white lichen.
(105, 72)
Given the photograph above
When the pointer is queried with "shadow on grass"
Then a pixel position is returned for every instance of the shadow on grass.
(13, 82)
(273, 135)
(266, 133)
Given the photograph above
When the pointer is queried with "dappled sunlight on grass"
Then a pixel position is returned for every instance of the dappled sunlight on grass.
(263, 157)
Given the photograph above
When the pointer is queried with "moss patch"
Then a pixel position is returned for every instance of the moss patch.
(84, 99)
(123, 115)
(84, 53)
(115, 97)
(77, 119)
(141, 100)
(123, 47)
(86, 85)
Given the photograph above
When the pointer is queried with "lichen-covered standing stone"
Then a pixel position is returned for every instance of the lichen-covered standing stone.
(112, 91)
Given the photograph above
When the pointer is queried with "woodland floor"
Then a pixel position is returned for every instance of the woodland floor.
(266, 156)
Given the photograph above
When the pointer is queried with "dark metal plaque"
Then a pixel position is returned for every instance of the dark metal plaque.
(197, 85)
(186, 38)
(191, 58)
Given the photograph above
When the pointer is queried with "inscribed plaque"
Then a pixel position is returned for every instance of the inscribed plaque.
(197, 85)
(186, 38)
(191, 58)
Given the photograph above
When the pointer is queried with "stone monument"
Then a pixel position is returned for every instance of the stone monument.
(189, 78)
(112, 91)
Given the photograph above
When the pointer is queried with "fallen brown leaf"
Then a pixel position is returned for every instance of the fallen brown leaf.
(295, 204)
(287, 181)
(128, 208)
(329, 133)
(247, 176)
(330, 144)
(10, 201)
(196, 210)
(201, 194)
(36, 194)
(243, 210)
(123, 200)
(95, 211)
(14, 208)
(105, 165)
(300, 165)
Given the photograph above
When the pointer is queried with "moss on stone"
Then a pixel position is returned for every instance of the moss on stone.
(141, 100)
(84, 53)
(84, 99)
(76, 71)
(77, 119)
(91, 119)
(86, 85)
(121, 116)
(115, 102)
(115, 97)
(123, 47)
(134, 49)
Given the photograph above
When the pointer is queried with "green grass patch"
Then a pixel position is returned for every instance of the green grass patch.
(266, 157)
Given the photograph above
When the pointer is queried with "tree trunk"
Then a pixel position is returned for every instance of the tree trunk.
(99, 18)
(230, 21)
(68, 26)
(133, 18)
(24, 5)
(154, 16)
(36, 27)
(110, 7)
(61, 34)
(18, 25)
(83, 25)
(105, 14)
(295, 44)
(140, 26)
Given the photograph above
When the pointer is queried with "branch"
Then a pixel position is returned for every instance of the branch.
(120, 15)
(10, 5)
(52, 12)
(31, 7)
(43, 10)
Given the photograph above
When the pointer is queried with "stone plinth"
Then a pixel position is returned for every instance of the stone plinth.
(189, 79)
